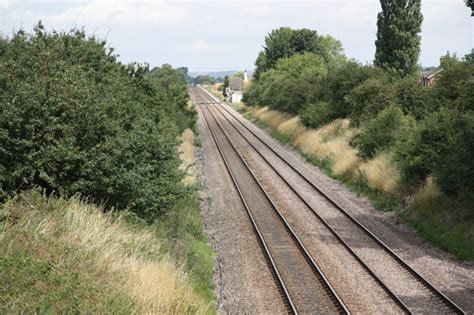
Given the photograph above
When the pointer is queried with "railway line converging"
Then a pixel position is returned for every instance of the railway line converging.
(292, 254)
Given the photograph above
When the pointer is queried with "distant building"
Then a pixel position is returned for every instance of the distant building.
(235, 89)
(246, 77)
(428, 78)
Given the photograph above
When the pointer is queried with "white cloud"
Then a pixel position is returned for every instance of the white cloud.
(6, 4)
(124, 13)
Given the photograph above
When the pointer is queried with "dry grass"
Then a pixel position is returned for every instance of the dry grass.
(381, 174)
(188, 156)
(331, 142)
(292, 128)
(429, 191)
(127, 259)
(274, 118)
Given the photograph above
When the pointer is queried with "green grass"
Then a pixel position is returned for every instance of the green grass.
(182, 231)
(43, 273)
(446, 221)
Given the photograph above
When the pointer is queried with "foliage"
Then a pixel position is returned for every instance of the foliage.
(225, 85)
(314, 115)
(470, 4)
(204, 79)
(369, 98)
(286, 42)
(441, 145)
(287, 87)
(381, 132)
(455, 85)
(398, 39)
(75, 120)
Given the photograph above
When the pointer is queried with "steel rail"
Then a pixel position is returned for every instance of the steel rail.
(322, 278)
(404, 264)
(266, 252)
(326, 224)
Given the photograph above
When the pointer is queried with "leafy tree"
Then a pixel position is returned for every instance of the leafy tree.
(369, 98)
(286, 42)
(470, 4)
(225, 85)
(398, 39)
(204, 79)
(288, 86)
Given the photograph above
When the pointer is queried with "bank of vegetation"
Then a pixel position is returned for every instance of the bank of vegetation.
(99, 213)
(407, 146)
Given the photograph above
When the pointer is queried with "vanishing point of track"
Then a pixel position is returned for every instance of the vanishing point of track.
(442, 302)
(303, 286)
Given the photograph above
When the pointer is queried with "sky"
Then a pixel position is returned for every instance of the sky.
(227, 35)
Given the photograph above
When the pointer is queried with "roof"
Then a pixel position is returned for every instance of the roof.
(430, 74)
(236, 84)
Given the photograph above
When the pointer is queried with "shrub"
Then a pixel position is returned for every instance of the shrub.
(317, 114)
(414, 98)
(381, 132)
(369, 98)
(75, 120)
(442, 145)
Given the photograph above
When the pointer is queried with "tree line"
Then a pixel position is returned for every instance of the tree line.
(427, 130)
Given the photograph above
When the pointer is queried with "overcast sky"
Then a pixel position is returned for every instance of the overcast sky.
(224, 35)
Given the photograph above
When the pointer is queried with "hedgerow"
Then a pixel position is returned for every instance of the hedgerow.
(74, 120)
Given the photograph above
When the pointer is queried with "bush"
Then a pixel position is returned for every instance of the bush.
(381, 132)
(441, 145)
(414, 98)
(75, 120)
(369, 98)
(317, 114)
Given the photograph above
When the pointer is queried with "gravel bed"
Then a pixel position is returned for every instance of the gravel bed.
(452, 277)
(243, 282)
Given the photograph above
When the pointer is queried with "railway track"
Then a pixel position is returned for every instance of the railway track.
(431, 299)
(303, 286)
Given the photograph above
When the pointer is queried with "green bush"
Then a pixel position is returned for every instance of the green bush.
(75, 120)
(317, 114)
(414, 98)
(369, 98)
(441, 145)
(381, 132)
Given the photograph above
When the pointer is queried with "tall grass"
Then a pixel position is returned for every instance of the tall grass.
(65, 256)
(188, 157)
(381, 174)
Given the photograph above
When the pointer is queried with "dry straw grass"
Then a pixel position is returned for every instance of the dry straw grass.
(292, 127)
(127, 258)
(381, 174)
(274, 118)
(188, 156)
(331, 142)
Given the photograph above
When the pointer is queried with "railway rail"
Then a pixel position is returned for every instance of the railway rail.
(302, 284)
(439, 302)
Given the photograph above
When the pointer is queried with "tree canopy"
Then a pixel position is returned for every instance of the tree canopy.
(398, 36)
(286, 42)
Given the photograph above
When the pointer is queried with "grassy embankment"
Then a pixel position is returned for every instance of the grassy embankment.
(429, 211)
(213, 89)
(66, 255)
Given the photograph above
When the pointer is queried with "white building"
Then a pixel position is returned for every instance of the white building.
(235, 89)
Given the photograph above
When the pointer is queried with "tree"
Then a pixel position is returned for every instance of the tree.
(470, 4)
(398, 40)
(225, 86)
(286, 42)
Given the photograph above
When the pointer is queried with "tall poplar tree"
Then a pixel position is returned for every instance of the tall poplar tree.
(398, 35)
